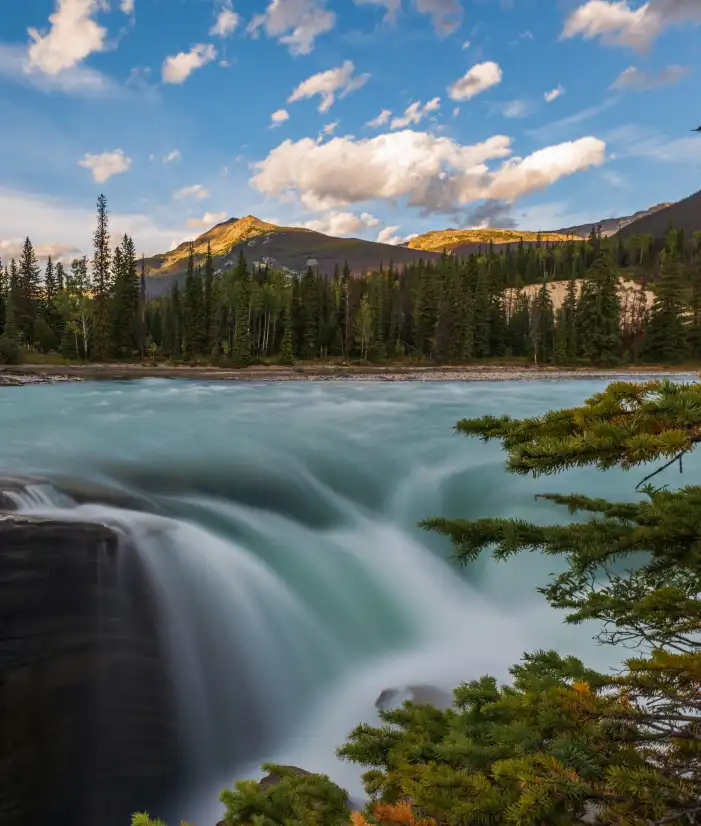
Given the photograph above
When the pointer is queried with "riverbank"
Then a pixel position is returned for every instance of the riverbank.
(42, 374)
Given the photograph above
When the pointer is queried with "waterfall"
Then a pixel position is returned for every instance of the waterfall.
(292, 582)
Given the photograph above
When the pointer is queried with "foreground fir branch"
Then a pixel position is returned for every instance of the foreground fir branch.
(562, 743)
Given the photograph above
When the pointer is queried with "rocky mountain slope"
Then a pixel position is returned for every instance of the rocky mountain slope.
(452, 239)
(289, 248)
(684, 214)
(610, 226)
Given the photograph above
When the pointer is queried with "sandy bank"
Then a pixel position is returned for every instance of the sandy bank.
(34, 374)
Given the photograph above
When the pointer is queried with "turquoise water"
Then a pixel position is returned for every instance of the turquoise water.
(278, 524)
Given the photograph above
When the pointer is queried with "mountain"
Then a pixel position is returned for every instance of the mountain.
(289, 248)
(610, 226)
(684, 215)
(452, 239)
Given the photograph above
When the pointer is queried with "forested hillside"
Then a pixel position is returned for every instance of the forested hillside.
(623, 300)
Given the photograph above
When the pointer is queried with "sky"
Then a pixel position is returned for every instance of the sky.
(377, 119)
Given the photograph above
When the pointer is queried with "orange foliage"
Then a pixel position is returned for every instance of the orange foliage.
(400, 814)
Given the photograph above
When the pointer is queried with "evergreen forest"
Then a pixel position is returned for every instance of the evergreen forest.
(448, 310)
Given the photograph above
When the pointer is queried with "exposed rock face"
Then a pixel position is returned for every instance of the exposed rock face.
(87, 726)
(392, 698)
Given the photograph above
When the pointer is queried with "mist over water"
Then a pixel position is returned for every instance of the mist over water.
(278, 526)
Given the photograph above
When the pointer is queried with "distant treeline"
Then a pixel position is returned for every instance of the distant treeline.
(449, 310)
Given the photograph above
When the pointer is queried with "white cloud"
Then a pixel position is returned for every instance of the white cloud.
(78, 80)
(466, 44)
(328, 84)
(514, 108)
(172, 156)
(196, 191)
(635, 80)
(415, 113)
(388, 235)
(105, 165)
(456, 111)
(341, 223)
(127, 6)
(446, 15)
(381, 119)
(392, 6)
(207, 221)
(554, 94)
(279, 116)
(59, 225)
(564, 124)
(434, 173)
(479, 78)
(296, 23)
(179, 67)
(12, 248)
(226, 23)
(72, 36)
(617, 23)
(330, 128)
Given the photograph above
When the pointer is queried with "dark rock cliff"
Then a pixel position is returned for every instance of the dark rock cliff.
(87, 725)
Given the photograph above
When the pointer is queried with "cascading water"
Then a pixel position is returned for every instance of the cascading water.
(277, 526)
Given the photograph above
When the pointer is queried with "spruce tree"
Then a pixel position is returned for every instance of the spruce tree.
(286, 348)
(666, 331)
(598, 314)
(101, 283)
(29, 282)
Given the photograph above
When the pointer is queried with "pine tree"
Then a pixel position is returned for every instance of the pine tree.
(286, 351)
(666, 333)
(29, 283)
(101, 282)
(542, 326)
(125, 299)
(599, 314)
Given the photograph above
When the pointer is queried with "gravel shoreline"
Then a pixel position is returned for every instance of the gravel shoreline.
(49, 374)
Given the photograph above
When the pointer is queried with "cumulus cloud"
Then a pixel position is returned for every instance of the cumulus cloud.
(73, 34)
(12, 248)
(296, 23)
(279, 116)
(179, 67)
(208, 220)
(339, 81)
(81, 81)
(616, 22)
(479, 78)
(446, 15)
(415, 113)
(554, 94)
(433, 173)
(196, 191)
(341, 223)
(127, 6)
(381, 119)
(388, 235)
(634, 79)
(491, 213)
(105, 165)
(226, 22)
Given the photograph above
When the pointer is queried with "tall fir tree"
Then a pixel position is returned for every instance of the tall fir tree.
(666, 338)
(29, 282)
(101, 282)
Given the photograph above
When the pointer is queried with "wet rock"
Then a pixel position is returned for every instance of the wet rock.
(86, 715)
(392, 698)
(20, 378)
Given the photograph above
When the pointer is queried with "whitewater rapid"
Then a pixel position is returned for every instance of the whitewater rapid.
(278, 527)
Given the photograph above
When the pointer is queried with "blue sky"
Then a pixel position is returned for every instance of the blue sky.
(167, 107)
